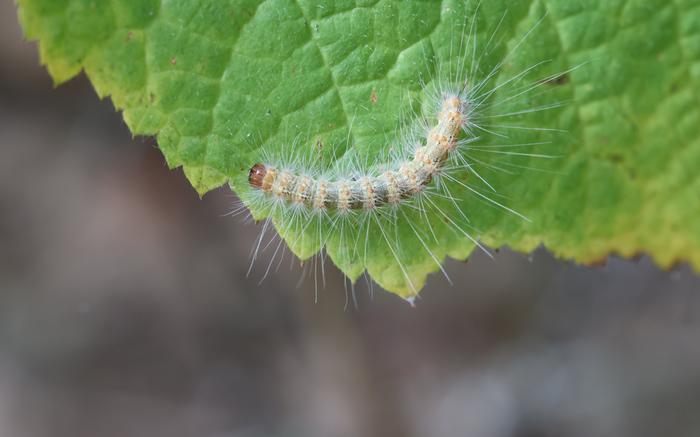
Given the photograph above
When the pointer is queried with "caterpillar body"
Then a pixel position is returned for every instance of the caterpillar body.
(368, 192)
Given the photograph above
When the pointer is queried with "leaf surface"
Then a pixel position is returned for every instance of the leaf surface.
(216, 80)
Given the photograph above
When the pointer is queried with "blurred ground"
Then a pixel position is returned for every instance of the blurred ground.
(125, 310)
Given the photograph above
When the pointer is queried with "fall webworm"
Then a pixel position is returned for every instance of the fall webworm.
(410, 195)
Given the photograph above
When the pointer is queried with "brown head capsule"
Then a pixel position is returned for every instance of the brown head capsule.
(257, 175)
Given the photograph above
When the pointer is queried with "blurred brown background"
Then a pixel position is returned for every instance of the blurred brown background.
(125, 310)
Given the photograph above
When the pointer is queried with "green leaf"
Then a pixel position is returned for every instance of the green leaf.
(216, 80)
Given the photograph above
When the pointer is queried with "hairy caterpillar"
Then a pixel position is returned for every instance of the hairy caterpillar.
(356, 208)
(368, 191)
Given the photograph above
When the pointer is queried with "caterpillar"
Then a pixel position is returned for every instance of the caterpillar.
(368, 192)
(355, 209)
